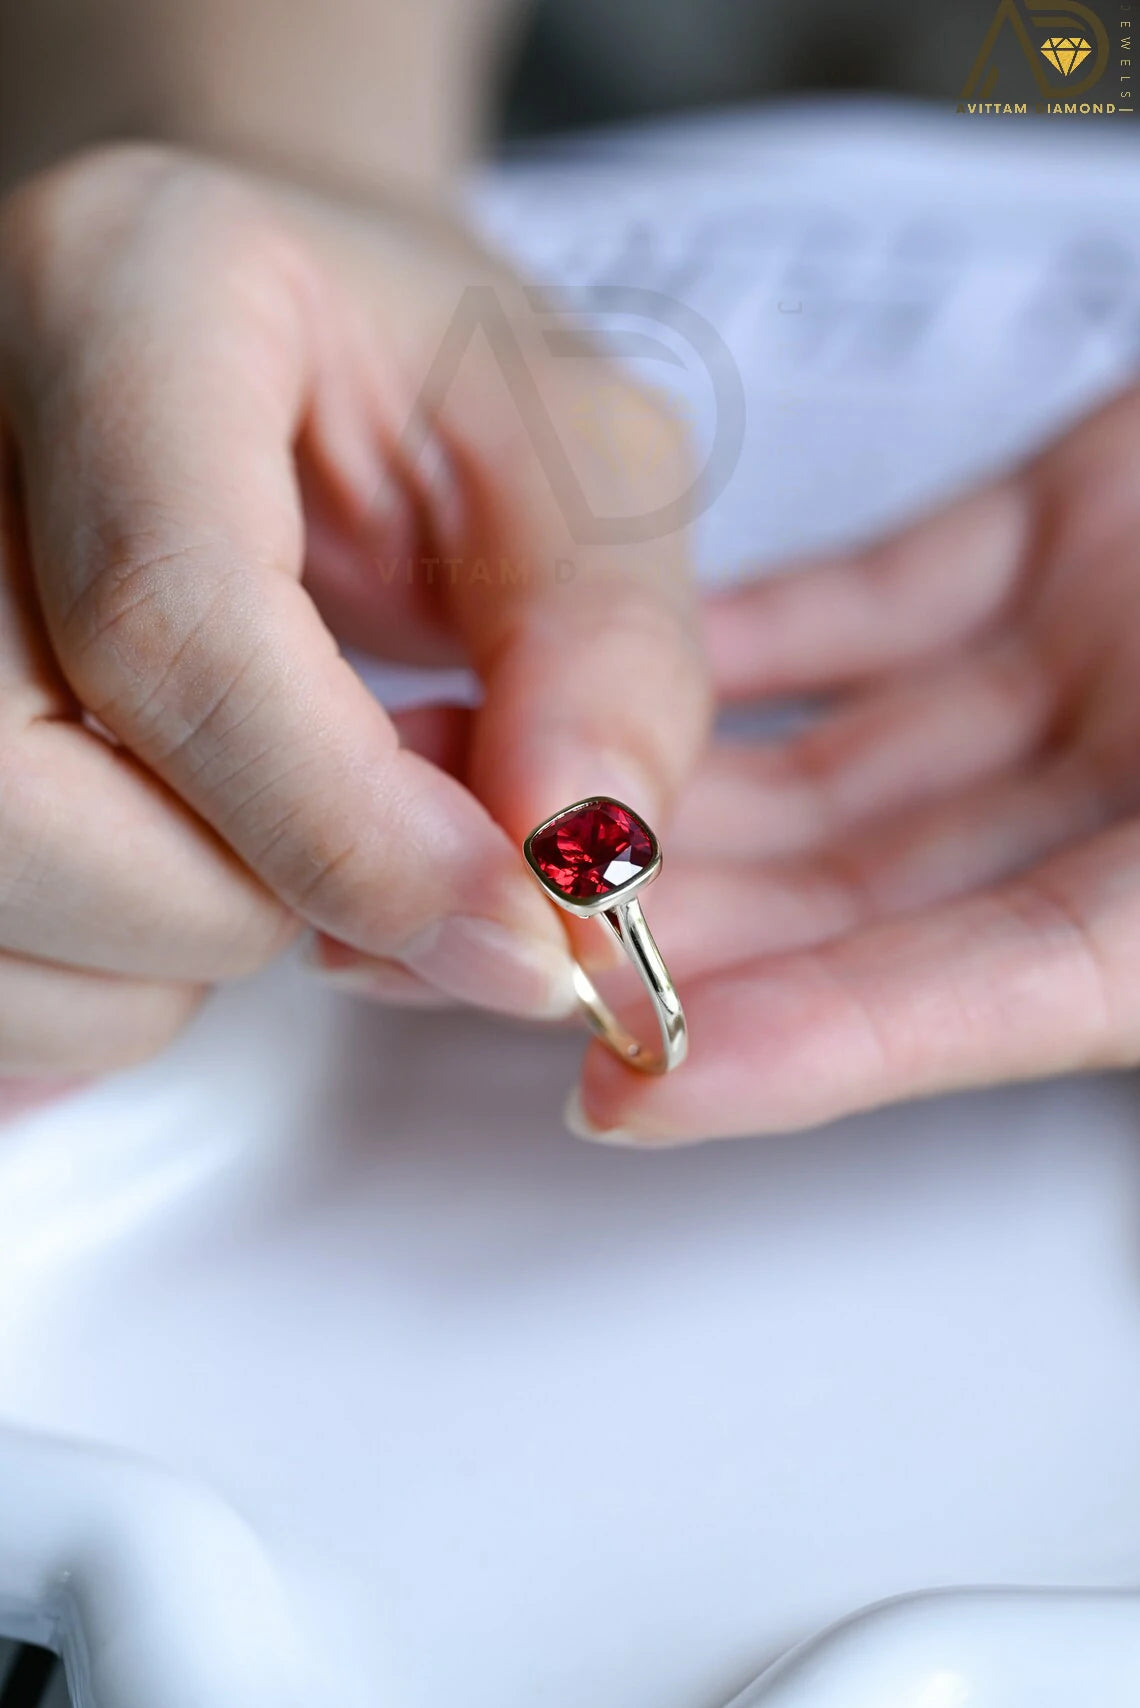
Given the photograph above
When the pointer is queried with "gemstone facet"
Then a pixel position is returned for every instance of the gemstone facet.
(591, 850)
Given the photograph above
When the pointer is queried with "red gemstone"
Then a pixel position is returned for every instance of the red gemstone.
(592, 850)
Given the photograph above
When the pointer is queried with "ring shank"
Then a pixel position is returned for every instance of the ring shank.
(627, 922)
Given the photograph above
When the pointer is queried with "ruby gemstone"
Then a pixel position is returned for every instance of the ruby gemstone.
(592, 850)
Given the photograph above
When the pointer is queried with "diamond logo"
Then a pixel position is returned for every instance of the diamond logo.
(1066, 52)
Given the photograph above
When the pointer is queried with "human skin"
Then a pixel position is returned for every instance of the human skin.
(206, 374)
(937, 885)
(363, 96)
(203, 371)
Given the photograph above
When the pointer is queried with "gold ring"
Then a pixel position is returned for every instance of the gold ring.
(591, 859)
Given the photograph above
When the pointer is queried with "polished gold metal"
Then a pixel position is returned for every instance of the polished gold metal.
(620, 911)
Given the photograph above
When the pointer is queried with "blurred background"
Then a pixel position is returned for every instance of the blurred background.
(582, 62)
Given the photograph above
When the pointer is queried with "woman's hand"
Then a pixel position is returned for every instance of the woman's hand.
(205, 383)
(938, 885)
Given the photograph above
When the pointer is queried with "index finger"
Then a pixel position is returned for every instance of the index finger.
(158, 385)
(593, 664)
(1034, 977)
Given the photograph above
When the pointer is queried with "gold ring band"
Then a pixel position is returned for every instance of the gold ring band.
(591, 860)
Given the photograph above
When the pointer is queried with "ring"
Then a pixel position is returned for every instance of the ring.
(591, 859)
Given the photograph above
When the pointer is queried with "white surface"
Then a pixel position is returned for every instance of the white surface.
(150, 1588)
(522, 1422)
(968, 1649)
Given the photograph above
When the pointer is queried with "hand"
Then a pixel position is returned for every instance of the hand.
(937, 885)
(204, 380)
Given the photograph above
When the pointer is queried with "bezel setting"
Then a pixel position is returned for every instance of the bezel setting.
(587, 908)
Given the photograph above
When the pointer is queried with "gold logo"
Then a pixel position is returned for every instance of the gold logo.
(1085, 42)
(1066, 52)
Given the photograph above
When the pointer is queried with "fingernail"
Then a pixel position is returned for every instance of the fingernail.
(345, 969)
(580, 1124)
(485, 962)
(613, 774)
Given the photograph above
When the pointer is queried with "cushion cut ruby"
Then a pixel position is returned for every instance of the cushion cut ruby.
(592, 850)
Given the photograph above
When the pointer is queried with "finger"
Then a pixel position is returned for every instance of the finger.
(369, 976)
(594, 678)
(969, 841)
(603, 696)
(155, 894)
(712, 915)
(438, 733)
(102, 867)
(915, 739)
(708, 914)
(848, 618)
(558, 625)
(167, 540)
(30, 682)
(1036, 977)
(61, 1021)
(443, 734)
